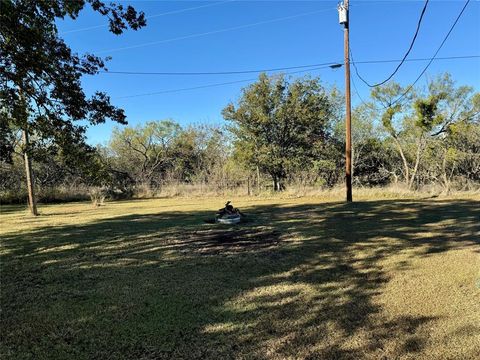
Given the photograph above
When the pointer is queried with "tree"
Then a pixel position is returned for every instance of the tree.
(40, 86)
(202, 154)
(462, 156)
(423, 122)
(54, 170)
(278, 125)
(371, 158)
(408, 124)
(145, 151)
(385, 96)
(455, 136)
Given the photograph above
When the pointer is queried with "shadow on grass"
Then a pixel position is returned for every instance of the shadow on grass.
(12, 208)
(298, 281)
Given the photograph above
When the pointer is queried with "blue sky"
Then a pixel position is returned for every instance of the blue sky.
(206, 36)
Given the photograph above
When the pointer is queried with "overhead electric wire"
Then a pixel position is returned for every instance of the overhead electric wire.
(419, 59)
(213, 85)
(172, 13)
(176, 12)
(184, 89)
(234, 72)
(318, 67)
(404, 57)
(433, 57)
(196, 35)
(250, 71)
(360, 96)
(151, 16)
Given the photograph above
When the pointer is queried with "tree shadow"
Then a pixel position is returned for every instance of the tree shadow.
(12, 208)
(299, 281)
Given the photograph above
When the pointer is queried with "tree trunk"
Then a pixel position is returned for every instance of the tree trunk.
(278, 183)
(395, 178)
(258, 179)
(275, 183)
(32, 204)
(417, 162)
(404, 160)
(447, 180)
(446, 183)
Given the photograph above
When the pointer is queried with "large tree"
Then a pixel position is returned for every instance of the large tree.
(280, 125)
(424, 122)
(146, 151)
(370, 157)
(40, 88)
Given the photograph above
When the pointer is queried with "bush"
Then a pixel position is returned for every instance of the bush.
(60, 194)
(97, 196)
(13, 197)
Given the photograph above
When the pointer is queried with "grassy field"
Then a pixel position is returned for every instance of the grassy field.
(303, 278)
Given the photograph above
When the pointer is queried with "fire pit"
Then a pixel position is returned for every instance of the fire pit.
(228, 215)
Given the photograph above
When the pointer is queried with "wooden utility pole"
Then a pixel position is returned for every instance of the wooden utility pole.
(344, 19)
(32, 204)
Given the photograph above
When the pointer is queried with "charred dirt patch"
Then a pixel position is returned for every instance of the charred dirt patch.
(214, 241)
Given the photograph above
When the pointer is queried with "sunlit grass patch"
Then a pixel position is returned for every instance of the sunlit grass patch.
(303, 279)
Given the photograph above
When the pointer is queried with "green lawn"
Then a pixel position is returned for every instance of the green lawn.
(302, 279)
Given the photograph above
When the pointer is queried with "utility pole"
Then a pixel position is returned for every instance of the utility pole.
(343, 17)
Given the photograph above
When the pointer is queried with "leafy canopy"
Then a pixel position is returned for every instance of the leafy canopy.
(40, 88)
(278, 124)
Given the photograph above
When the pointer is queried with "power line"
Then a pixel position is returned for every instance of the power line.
(419, 59)
(360, 96)
(182, 11)
(185, 89)
(212, 85)
(175, 12)
(404, 57)
(151, 16)
(196, 35)
(318, 67)
(370, 105)
(434, 55)
(430, 60)
(235, 72)
(322, 66)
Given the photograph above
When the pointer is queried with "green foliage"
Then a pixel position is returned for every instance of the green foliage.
(146, 150)
(289, 131)
(280, 125)
(463, 148)
(423, 128)
(388, 93)
(387, 119)
(427, 112)
(40, 87)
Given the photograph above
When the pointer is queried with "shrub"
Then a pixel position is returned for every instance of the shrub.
(97, 196)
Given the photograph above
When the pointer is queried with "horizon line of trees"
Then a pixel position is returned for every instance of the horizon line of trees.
(281, 132)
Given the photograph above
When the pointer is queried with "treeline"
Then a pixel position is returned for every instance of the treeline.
(281, 133)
